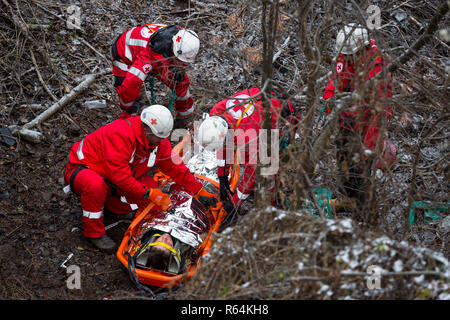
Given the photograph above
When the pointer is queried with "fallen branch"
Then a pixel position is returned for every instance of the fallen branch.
(276, 55)
(209, 5)
(35, 136)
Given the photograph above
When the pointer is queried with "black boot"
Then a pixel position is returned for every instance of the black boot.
(104, 244)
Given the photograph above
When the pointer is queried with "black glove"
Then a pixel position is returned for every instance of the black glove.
(208, 201)
(137, 105)
(178, 74)
(224, 191)
(184, 123)
(230, 207)
(231, 218)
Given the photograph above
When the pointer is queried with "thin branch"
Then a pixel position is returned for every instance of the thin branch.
(33, 59)
(432, 27)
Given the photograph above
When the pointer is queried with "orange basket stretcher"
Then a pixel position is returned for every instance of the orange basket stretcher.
(157, 278)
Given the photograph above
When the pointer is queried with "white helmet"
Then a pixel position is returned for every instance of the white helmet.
(352, 38)
(185, 45)
(159, 119)
(212, 132)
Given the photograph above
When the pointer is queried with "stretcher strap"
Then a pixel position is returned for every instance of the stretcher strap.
(152, 93)
(134, 277)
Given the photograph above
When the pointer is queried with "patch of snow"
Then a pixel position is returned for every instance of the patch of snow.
(398, 266)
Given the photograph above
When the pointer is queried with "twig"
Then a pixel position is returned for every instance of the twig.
(14, 230)
(16, 19)
(400, 273)
(33, 59)
(412, 189)
(432, 26)
(73, 122)
(276, 55)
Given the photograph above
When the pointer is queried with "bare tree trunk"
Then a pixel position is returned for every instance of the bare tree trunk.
(270, 10)
(306, 161)
(35, 136)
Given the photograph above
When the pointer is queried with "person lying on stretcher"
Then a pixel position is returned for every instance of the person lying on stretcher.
(169, 239)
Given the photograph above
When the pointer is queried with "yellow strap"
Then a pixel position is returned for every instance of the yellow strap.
(198, 192)
(243, 113)
(165, 245)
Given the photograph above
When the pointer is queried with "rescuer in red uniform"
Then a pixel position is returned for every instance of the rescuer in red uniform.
(359, 61)
(159, 51)
(108, 170)
(243, 111)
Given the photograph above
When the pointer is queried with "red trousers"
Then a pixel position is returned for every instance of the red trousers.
(96, 195)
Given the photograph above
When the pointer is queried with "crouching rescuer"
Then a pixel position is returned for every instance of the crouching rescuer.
(108, 170)
(243, 114)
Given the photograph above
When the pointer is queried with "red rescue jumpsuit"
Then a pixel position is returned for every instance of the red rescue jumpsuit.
(371, 64)
(117, 157)
(249, 117)
(359, 123)
(135, 60)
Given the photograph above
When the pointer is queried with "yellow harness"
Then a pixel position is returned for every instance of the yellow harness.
(165, 245)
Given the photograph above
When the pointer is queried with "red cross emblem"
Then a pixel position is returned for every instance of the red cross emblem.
(154, 121)
(178, 39)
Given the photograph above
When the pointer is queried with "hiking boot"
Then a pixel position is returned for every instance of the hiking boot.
(104, 243)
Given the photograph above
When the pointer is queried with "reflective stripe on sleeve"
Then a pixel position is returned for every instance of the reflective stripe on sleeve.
(132, 156)
(138, 73)
(122, 66)
(127, 45)
(185, 97)
(128, 104)
(152, 158)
